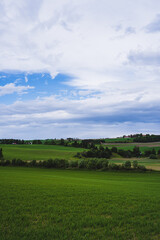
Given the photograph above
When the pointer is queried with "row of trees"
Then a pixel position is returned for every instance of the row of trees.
(95, 152)
(105, 152)
(146, 138)
(151, 153)
(11, 141)
(87, 143)
(90, 164)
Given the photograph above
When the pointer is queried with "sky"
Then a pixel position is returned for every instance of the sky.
(79, 68)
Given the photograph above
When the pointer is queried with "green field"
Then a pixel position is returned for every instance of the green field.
(149, 163)
(38, 152)
(63, 204)
(44, 152)
(120, 139)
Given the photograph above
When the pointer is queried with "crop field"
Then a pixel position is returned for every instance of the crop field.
(38, 152)
(66, 204)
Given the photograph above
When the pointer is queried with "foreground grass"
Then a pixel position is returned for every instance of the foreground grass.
(64, 204)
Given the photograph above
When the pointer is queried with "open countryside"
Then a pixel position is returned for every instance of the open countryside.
(79, 189)
(43, 152)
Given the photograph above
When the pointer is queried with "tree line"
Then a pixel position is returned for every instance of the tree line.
(105, 152)
(146, 138)
(89, 164)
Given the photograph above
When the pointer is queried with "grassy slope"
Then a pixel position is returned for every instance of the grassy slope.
(38, 152)
(60, 204)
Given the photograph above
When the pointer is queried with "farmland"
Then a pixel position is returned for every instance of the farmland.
(66, 204)
(38, 152)
(44, 152)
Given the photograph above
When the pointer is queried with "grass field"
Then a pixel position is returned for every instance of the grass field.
(44, 152)
(38, 152)
(121, 139)
(63, 204)
(149, 163)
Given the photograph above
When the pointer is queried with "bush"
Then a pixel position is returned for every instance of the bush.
(153, 156)
(33, 163)
(91, 164)
(113, 166)
(73, 164)
(105, 164)
(135, 164)
(1, 154)
(82, 163)
(141, 168)
(127, 165)
(114, 149)
(101, 163)
(5, 163)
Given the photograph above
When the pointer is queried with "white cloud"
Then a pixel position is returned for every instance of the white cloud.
(12, 88)
(95, 42)
(26, 79)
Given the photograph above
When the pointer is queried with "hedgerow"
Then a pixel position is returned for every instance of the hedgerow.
(90, 164)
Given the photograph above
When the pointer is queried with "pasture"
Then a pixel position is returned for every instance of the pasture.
(38, 152)
(81, 205)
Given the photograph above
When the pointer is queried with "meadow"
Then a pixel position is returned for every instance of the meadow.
(81, 205)
(38, 152)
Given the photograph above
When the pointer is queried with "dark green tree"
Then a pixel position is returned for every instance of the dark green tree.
(127, 165)
(135, 164)
(1, 154)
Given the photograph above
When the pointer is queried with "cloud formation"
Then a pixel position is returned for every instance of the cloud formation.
(12, 88)
(154, 26)
(105, 47)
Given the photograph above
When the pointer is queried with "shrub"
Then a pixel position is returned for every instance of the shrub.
(5, 163)
(113, 166)
(60, 163)
(141, 168)
(136, 152)
(114, 149)
(20, 162)
(82, 163)
(91, 164)
(135, 164)
(147, 153)
(153, 156)
(127, 165)
(1, 154)
(49, 163)
(73, 164)
(100, 163)
(105, 164)
(33, 163)
(13, 162)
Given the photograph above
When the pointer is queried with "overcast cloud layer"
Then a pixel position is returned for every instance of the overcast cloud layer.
(83, 68)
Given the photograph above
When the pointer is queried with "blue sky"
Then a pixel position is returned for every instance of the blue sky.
(79, 68)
